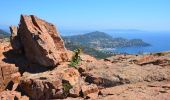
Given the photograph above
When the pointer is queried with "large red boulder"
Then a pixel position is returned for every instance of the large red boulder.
(41, 42)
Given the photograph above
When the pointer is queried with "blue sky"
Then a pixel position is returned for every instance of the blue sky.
(149, 15)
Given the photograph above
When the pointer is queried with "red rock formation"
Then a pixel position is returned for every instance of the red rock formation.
(12, 95)
(41, 42)
(50, 85)
(7, 70)
(88, 90)
(14, 39)
(138, 91)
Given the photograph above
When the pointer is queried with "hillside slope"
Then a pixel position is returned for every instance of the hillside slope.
(3, 34)
(101, 40)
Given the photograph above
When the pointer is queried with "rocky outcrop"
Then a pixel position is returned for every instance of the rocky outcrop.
(90, 91)
(155, 60)
(50, 85)
(40, 40)
(8, 72)
(42, 86)
(14, 39)
(107, 74)
(161, 59)
(138, 91)
(6, 75)
(12, 95)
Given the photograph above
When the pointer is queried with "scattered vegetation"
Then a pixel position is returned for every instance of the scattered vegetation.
(76, 58)
(66, 87)
(90, 51)
(160, 54)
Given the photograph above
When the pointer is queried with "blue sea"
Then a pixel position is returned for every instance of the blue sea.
(160, 41)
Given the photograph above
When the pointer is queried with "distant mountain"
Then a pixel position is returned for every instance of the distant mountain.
(3, 34)
(101, 40)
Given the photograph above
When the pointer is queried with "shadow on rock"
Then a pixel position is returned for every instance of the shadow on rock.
(22, 63)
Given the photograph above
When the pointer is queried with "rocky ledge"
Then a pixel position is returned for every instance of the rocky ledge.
(35, 65)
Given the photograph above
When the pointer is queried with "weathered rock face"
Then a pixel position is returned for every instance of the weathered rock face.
(108, 74)
(8, 72)
(90, 91)
(14, 39)
(138, 91)
(51, 84)
(41, 42)
(12, 95)
(42, 86)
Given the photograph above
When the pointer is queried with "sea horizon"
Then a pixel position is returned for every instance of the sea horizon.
(158, 40)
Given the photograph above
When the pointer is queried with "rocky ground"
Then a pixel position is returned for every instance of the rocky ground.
(34, 65)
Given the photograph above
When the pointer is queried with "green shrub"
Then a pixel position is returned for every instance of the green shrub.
(66, 87)
(76, 58)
